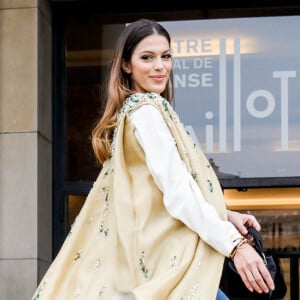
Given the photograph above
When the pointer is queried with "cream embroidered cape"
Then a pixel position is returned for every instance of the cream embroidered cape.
(124, 240)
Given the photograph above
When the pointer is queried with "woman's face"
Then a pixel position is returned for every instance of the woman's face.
(150, 65)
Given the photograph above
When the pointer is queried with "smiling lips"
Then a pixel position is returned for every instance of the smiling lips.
(158, 78)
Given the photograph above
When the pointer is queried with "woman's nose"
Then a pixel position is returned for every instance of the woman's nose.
(158, 64)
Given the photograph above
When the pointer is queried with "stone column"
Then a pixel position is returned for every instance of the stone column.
(25, 146)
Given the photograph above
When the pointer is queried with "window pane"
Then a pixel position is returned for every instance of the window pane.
(237, 90)
(89, 44)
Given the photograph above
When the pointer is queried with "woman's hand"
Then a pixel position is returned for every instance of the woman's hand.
(241, 221)
(252, 270)
(248, 263)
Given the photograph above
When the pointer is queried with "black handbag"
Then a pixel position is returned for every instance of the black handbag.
(232, 284)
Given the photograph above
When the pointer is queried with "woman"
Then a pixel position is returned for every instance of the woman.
(154, 226)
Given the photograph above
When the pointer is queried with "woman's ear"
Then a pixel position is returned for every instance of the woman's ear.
(126, 67)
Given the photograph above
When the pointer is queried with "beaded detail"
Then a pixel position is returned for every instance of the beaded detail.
(193, 292)
(103, 229)
(143, 266)
(137, 99)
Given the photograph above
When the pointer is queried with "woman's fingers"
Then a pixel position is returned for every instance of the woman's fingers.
(253, 271)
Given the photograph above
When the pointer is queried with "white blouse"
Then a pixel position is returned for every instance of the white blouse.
(181, 195)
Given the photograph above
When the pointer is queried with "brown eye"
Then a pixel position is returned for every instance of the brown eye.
(167, 56)
(146, 57)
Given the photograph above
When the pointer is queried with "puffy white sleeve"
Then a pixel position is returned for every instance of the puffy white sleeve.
(181, 194)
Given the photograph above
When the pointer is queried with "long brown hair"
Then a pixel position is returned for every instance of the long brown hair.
(118, 83)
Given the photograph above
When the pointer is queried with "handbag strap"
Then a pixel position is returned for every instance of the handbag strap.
(256, 239)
